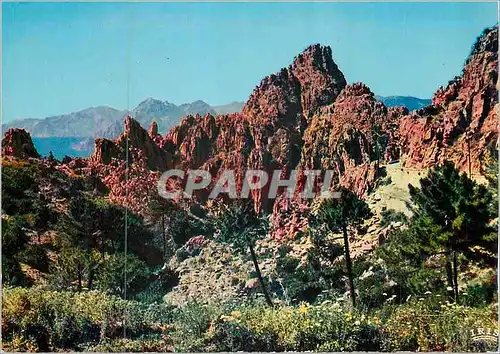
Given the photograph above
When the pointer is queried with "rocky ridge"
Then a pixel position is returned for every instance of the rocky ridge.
(462, 123)
(306, 116)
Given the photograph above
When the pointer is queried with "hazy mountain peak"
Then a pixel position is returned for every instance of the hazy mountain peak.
(232, 107)
(199, 102)
(72, 133)
(410, 102)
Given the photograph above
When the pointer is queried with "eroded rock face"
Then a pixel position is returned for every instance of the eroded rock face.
(304, 117)
(141, 147)
(267, 134)
(350, 136)
(17, 142)
(104, 151)
(153, 130)
(462, 123)
(290, 97)
(320, 79)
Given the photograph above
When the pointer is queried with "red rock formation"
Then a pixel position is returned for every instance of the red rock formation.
(268, 132)
(153, 130)
(304, 117)
(139, 144)
(290, 97)
(18, 143)
(341, 137)
(320, 79)
(462, 123)
(104, 151)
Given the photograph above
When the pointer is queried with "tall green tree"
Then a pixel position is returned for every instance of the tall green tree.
(461, 209)
(491, 175)
(91, 229)
(177, 223)
(14, 241)
(158, 209)
(340, 215)
(404, 255)
(240, 226)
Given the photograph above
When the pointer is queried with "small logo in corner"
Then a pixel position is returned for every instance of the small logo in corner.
(484, 335)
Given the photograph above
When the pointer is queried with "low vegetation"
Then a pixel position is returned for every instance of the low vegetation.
(428, 286)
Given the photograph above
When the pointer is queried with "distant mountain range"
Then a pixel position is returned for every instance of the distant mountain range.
(232, 107)
(103, 121)
(73, 134)
(84, 123)
(409, 102)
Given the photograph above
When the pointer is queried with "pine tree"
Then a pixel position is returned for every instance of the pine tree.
(239, 226)
(341, 216)
(491, 175)
(462, 210)
(158, 209)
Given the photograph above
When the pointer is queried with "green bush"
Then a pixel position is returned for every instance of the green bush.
(51, 320)
(420, 325)
(131, 345)
(191, 323)
(35, 256)
(481, 290)
(39, 320)
(478, 295)
(431, 324)
(18, 186)
(231, 337)
(326, 327)
(14, 240)
(391, 216)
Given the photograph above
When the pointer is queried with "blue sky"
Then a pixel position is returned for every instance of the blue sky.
(59, 58)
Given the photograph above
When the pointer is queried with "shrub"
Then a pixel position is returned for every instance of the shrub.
(50, 320)
(478, 295)
(481, 290)
(35, 256)
(18, 186)
(131, 345)
(14, 240)
(417, 326)
(325, 327)
(430, 324)
(191, 323)
(390, 216)
(229, 336)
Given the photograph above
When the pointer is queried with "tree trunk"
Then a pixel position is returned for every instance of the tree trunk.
(449, 279)
(163, 235)
(468, 146)
(455, 275)
(79, 271)
(348, 263)
(259, 275)
(91, 278)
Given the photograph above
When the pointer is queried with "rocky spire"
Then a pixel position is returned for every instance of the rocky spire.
(140, 144)
(320, 78)
(153, 130)
(291, 96)
(17, 142)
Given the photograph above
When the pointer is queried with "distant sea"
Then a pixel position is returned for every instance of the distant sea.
(60, 147)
